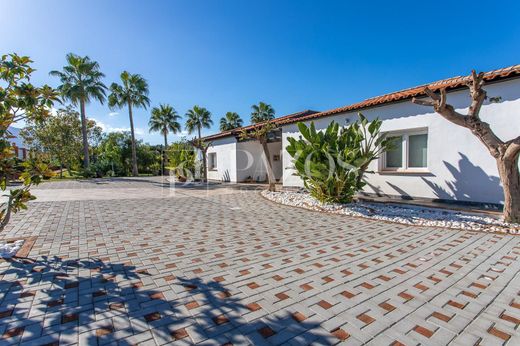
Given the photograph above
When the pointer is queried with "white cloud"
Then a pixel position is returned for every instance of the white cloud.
(113, 114)
(109, 128)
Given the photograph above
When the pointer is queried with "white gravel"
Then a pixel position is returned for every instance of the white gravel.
(8, 250)
(408, 215)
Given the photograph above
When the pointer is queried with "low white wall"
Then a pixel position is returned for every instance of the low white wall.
(459, 165)
(251, 160)
(226, 151)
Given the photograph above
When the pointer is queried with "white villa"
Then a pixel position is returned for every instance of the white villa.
(436, 159)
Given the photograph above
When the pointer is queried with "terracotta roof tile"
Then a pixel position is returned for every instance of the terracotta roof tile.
(450, 84)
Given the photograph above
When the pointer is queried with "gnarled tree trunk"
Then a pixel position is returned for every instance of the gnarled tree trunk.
(268, 164)
(510, 177)
(505, 153)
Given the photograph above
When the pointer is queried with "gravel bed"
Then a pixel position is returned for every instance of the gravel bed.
(408, 215)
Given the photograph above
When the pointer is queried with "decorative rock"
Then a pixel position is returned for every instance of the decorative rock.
(8, 250)
(408, 215)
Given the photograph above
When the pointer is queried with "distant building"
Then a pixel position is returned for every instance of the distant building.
(20, 148)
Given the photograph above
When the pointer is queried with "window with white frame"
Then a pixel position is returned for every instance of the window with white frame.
(410, 152)
(212, 161)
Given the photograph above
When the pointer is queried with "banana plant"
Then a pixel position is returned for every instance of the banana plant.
(333, 162)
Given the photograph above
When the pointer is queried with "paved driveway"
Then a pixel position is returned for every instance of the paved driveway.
(131, 261)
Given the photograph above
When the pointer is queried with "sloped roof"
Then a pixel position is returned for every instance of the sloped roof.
(250, 127)
(449, 84)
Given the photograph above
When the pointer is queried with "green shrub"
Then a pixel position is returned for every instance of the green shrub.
(332, 163)
(181, 159)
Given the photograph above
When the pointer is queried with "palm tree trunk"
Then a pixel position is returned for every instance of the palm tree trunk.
(204, 163)
(86, 159)
(164, 152)
(269, 166)
(135, 173)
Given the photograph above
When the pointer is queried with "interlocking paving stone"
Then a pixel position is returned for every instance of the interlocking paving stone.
(135, 261)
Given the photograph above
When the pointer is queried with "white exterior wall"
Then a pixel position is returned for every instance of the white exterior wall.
(226, 150)
(459, 165)
(251, 160)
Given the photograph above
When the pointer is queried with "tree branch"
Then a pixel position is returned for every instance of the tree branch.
(423, 102)
(513, 148)
(471, 121)
(478, 95)
(438, 102)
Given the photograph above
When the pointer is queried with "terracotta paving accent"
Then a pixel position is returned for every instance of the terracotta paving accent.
(126, 261)
(306, 287)
(266, 332)
(367, 285)
(13, 332)
(387, 306)
(224, 294)
(397, 343)
(116, 306)
(253, 306)
(347, 294)
(470, 294)
(441, 316)
(154, 316)
(220, 319)
(340, 334)
(499, 334)
(6, 313)
(55, 303)
(405, 296)
(298, 317)
(70, 285)
(281, 296)
(99, 293)
(509, 318)
(456, 304)
(66, 318)
(179, 334)
(325, 304)
(157, 295)
(104, 331)
(253, 285)
(26, 294)
(366, 319)
(423, 331)
(191, 305)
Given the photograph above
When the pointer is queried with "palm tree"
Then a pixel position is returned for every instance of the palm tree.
(81, 82)
(230, 121)
(133, 93)
(261, 112)
(164, 119)
(199, 117)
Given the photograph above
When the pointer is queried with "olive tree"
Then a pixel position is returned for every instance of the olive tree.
(505, 152)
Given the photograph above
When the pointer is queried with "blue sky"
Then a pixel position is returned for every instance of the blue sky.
(226, 55)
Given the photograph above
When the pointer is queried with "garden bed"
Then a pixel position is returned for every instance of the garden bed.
(399, 213)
